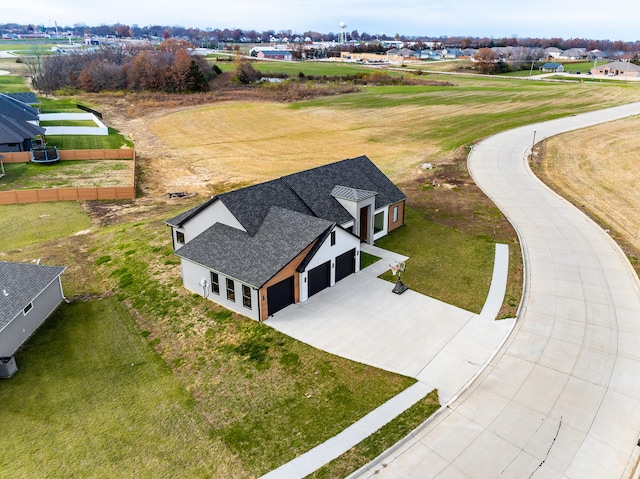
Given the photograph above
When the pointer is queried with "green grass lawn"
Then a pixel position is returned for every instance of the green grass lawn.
(24, 45)
(91, 398)
(241, 384)
(367, 259)
(62, 105)
(40, 223)
(12, 84)
(310, 68)
(379, 441)
(476, 108)
(443, 263)
(63, 174)
(254, 385)
(68, 123)
(113, 141)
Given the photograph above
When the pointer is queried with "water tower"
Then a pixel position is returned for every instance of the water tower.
(343, 34)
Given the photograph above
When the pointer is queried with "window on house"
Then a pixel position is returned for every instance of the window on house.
(395, 214)
(180, 237)
(378, 222)
(333, 238)
(27, 308)
(246, 296)
(231, 290)
(215, 283)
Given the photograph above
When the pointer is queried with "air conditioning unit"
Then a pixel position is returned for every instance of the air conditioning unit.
(7, 367)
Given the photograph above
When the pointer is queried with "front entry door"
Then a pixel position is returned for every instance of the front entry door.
(364, 224)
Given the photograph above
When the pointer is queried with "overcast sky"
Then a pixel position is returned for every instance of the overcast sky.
(479, 18)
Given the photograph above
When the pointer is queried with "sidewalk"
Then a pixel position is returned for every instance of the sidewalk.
(442, 346)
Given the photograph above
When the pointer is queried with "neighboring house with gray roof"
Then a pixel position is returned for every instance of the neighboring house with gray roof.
(29, 293)
(258, 249)
(17, 135)
(28, 98)
(13, 108)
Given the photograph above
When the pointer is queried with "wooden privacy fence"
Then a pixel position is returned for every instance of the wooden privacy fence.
(25, 156)
(72, 194)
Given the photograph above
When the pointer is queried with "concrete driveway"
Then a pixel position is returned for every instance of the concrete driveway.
(363, 320)
(562, 398)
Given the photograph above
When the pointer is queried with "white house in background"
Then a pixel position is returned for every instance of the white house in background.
(553, 52)
(259, 249)
(29, 293)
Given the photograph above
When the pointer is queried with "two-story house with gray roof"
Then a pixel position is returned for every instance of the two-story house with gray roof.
(259, 249)
(29, 293)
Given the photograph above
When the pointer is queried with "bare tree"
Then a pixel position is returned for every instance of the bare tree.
(35, 68)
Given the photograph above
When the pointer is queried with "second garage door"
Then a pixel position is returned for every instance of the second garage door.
(345, 264)
(319, 278)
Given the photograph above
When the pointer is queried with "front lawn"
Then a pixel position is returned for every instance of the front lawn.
(443, 263)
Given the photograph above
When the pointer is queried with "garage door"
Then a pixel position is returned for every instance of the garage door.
(345, 264)
(280, 295)
(319, 278)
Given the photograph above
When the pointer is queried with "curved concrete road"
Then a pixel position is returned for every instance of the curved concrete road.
(562, 397)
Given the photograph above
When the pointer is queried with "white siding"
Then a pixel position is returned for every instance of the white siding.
(216, 212)
(192, 275)
(344, 242)
(349, 205)
(24, 325)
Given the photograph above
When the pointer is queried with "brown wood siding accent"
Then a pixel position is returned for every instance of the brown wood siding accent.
(284, 273)
(390, 223)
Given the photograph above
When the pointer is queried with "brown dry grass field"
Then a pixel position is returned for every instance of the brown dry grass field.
(208, 148)
(225, 145)
(597, 170)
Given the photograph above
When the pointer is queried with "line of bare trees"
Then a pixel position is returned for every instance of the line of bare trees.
(167, 68)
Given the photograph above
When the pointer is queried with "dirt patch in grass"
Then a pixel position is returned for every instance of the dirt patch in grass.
(596, 169)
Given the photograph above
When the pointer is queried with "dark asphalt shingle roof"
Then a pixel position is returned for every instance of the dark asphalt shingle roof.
(314, 186)
(22, 282)
(16, 109)
(254, 259)
(282, 217)
(28, 98)
(16, 131)
(251, 205)
(308, 192)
